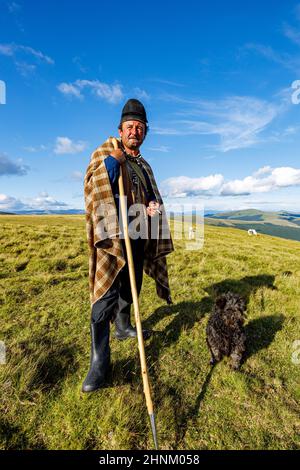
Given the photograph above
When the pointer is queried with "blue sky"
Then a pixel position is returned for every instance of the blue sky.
(215, 77)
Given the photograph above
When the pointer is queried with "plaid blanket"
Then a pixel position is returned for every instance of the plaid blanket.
(106, 257)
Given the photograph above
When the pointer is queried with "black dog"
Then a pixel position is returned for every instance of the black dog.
(225, 334)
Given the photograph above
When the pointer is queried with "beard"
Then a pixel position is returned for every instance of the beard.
(133, 144)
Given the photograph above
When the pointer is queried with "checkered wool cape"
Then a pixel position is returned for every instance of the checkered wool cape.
(106, 257)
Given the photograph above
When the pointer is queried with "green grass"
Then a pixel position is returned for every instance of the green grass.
(44, 322)
(277, 224)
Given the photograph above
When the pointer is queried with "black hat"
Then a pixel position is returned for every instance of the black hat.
(134, 111)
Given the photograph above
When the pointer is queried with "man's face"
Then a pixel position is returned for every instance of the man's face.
(132, 134)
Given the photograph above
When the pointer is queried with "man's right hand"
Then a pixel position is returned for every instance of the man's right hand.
(119, 155)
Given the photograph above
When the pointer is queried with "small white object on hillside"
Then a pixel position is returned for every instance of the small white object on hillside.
(191, 233)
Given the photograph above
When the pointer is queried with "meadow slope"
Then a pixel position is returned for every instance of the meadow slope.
(44, 323)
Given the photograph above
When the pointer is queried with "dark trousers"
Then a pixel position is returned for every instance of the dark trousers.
(118, 298)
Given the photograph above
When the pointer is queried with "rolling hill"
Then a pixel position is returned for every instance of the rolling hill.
(280, 224)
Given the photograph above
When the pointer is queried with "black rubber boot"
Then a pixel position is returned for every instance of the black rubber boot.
(100, 357)
(125, 330)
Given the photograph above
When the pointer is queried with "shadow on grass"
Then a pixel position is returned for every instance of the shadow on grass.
(191, 413)
(186, 315)
(245, 286)
(12, 437)
(125, 371)
(52, 369)
(260, 333)
(128, 371)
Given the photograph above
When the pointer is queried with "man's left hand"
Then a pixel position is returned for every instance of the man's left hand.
(153, 208)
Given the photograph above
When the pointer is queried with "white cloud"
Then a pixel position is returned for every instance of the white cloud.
(292, 33)
(8, 167)
(262, 171)
(77, 61)
(291, 130)
(43, 202)
(40, 148)
(285, 134)
(141, 94)
(70, 90)
(238, 121)
(6, 49)
(10, 204)
(271, 203)
(64, 145)
(13, 7)
(264, 180)
(184, 186)
(111, 93)
(284, 59)
(209, 157)
(289, 61)
(77, 175)
(161, 148)
(37, 54)
(167, 82)
(169, 131)
(13, 50)
(25, 69)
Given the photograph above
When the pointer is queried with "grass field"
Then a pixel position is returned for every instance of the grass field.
(277, 224)
(44, 323)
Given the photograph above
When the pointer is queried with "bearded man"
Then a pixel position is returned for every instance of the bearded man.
(110, 290)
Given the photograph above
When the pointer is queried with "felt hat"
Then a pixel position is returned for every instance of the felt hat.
(134, 111)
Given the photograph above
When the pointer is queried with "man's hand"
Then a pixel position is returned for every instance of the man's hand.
(153, 208)
(119, 155)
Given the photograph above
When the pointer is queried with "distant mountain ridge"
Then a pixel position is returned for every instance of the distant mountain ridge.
(283, 224)
(207, 212)
(45, 212)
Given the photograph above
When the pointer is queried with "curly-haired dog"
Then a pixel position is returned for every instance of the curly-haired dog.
(225, 334)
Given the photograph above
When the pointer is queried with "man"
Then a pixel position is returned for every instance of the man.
(109, 278)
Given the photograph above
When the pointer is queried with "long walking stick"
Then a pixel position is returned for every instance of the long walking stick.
(136, 305)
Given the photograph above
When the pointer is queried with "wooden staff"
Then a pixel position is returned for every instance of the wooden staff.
(135, 299)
